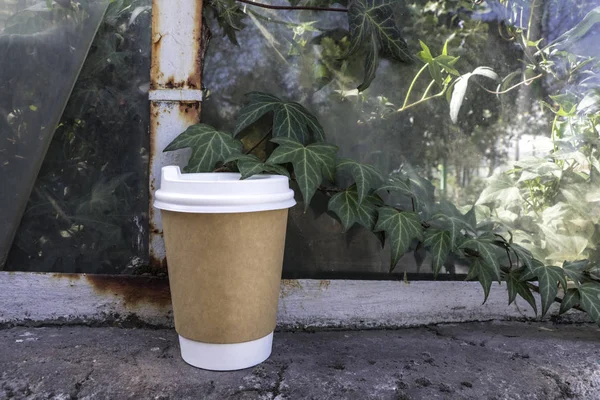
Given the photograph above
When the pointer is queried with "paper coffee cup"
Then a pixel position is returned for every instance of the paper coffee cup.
(224, 240)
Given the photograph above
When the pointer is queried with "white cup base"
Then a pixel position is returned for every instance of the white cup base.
(226, 357)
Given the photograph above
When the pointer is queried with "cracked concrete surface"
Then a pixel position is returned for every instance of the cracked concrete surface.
(483, 361)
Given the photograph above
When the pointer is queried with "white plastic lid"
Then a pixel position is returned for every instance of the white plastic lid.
(220, 192)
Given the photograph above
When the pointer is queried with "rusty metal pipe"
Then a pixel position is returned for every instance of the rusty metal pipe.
(175, 92)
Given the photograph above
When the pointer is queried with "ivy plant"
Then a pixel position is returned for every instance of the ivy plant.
(294, 144)
(302, 154)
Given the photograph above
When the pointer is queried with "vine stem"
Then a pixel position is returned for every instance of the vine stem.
(423, 100)
(525, 82)
(310, 8)
(412, 84)
(427, 90)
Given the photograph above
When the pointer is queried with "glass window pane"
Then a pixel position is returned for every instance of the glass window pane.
(521, 150)
(88, 209)
(42, 47)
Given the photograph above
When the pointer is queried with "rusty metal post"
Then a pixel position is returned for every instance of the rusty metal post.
(175, 91)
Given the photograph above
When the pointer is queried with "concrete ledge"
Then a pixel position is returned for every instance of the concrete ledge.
(36, 298)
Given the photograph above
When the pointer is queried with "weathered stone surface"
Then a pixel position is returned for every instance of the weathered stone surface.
(482, 361)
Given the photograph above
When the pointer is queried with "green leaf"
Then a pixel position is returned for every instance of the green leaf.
(250, 165)
(350, 211)
(486, 252)
(365, 176)
(575, 270)
(400, 228)
(435, 65)
(258, 104)
(570, 299)
(460, 89)
(229, 16)
(372, 26)
(484, 274)
(447, 63)
(208, 145)
(439, 244)
(291, 120)
(294, 121)
(454, 225)
(590, 300)
(371, 64)
(516, 286)
(413, 186)
(401, 186)
(590, 104)
(523, 255)
(425, 53)
(548, 279)
(500, 187)
(310, 163)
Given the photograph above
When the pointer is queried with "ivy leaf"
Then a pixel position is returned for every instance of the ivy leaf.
(365, 176)
(350, 211)
(516, 286)
(209, 146)
(294, 121)
(400, 228)
(435, 65)
(486, 252)
(590, 104)
(548, 279)
(439, 244)
(258, 104)
(401, 186)
(590, 300)
(420, 254)
(523, 255)
(371, 65)
(501, 187)
(420, 190)
(454, 225)
(250, 165)
(575, 270)
(310, 163)
(484, 273)
(372, 26)
(229, 16)
(570, 300)
(291, 120)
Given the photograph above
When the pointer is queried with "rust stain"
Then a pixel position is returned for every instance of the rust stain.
(200, 43)
(134, 290)
(194, 80)
(71, 277)
(288, 286)
(291, 283)
(324, 284)
(155, 73)
(189, 112)
(158, 263)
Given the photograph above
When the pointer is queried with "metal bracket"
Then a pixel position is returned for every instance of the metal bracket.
(175, 95)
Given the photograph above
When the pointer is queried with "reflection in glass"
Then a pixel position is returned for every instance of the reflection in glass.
(42, 47)
(522, 151)
(88, 208)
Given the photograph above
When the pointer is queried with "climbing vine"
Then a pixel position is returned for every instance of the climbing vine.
(295, 144)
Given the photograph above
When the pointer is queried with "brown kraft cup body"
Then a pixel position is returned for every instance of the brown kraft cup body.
(225, 273)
